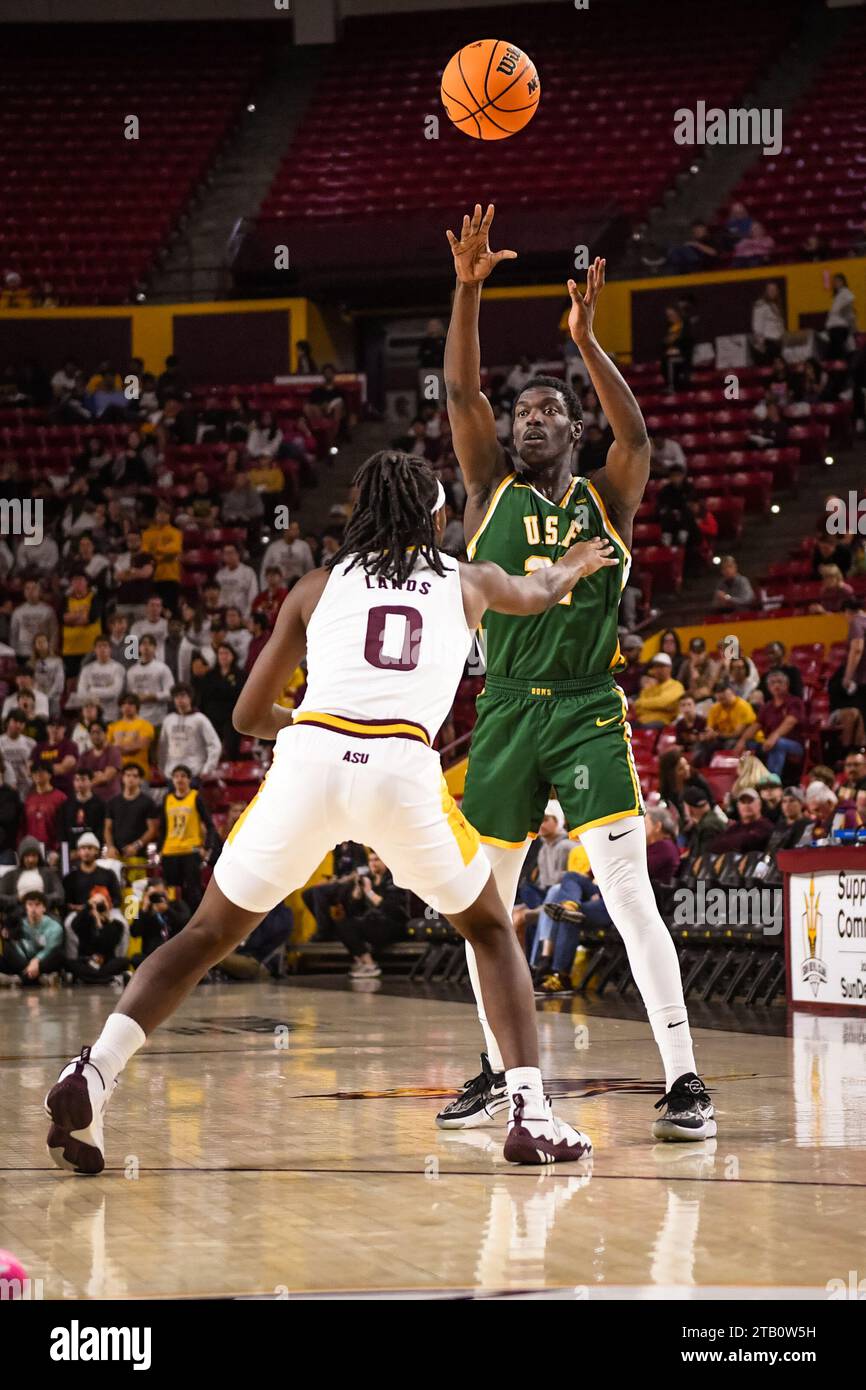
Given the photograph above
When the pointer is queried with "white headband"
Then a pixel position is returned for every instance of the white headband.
(440, 497)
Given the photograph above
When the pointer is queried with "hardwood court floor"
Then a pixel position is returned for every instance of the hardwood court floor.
(279, 1141)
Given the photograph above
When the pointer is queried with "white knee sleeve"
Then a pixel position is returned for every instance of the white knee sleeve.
(617, 854)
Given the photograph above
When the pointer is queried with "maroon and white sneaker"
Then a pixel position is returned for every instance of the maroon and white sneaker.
(544, 1138)
(76, 1105)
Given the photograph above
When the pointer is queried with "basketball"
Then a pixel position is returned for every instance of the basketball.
(13, 1277)
(490, 89)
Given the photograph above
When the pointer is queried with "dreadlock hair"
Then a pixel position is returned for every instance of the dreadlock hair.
(391, 524)
(572, 401)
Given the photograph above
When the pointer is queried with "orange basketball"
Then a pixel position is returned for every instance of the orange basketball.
(490, 89)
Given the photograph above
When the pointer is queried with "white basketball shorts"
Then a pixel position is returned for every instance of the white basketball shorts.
(324, 787)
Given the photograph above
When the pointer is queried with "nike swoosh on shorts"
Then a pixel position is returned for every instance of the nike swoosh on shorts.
(611, 836)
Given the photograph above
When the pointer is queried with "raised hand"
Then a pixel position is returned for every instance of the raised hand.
(585, 557)
(583, 305)
(473, 258)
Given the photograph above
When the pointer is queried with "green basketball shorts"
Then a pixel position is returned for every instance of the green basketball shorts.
(567, 739)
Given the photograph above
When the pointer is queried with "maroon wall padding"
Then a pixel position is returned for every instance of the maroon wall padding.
(721, 308)
(223, 348)
(52, 341)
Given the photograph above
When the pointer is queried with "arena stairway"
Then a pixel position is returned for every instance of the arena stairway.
(721, 167)
(195, 267)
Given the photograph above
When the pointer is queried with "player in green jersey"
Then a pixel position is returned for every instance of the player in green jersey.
(551, 713)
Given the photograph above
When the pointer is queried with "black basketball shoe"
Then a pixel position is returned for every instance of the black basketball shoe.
(479, 1102)
(689, 1116)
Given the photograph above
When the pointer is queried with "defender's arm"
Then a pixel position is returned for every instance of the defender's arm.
(486, 585)
(256, 712)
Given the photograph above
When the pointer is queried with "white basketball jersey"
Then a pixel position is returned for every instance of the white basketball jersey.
(379, 652)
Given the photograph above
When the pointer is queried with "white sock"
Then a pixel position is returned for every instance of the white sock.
(620, 870)
(674, 1040)
(507, 865)
(119, 1040)
(528, 1081)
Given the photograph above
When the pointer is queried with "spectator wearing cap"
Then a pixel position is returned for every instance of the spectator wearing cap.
(656, 705)
(733, 590)
(781, 720)
(730, 723)
(95, 939)
(83, 811)
(59, 754)
(31, 859)
(699, 670)
(42, 809)
(103, 761)
(791, 825)
(690, 725)
(704, 822)
(187, 738)
(770, 791)
(751, 831)
(32, 949)
(87, 874)
(551, 863)
(629, 679)
(132, 734)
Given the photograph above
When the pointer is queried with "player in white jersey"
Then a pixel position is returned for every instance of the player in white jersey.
(387, 629)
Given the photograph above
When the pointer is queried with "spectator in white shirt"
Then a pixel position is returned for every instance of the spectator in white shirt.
(16, 748)
(187, 737)
(49, 675)
(43, 558)
(32, 616)
(237, 636)
(102, 680)
(154, 624)
(291, 553)
(666, 454)
(238, 584)
(265, 437)
(768, 324)
(24, 684)
(151, 681)
(841, 322)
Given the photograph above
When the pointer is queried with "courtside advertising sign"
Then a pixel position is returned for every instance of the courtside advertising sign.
(827, 925)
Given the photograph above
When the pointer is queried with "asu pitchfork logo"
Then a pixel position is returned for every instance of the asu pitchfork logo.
(813, 968)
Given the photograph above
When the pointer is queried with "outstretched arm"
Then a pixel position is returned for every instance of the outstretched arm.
(485, 585)
(473, 427)
(622, 480)
(256, 712)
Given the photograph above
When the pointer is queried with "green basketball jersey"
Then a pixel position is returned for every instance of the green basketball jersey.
(522, 531)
